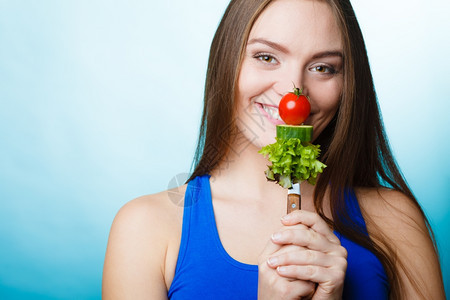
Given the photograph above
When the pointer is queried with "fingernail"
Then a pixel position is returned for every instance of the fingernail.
(272, 261)
(286, 217)
(276, 236)
(281, 269)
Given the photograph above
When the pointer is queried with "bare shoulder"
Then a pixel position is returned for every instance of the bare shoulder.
(399, 221)
(151, 215)
(390, 208)
(143, 246)
(395, 216)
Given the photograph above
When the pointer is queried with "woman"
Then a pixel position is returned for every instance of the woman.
(353, 238)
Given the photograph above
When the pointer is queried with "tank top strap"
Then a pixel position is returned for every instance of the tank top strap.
(203, 267)
(351, 214)
(196, 217)
(366, 277)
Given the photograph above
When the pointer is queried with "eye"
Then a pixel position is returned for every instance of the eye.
(323, 69)
(266, 58)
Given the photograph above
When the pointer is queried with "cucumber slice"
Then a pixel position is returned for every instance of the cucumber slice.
(302, 132)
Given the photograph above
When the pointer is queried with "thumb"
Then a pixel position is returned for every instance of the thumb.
(268, 250)
(326, 293)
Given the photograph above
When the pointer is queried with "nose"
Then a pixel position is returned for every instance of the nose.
(290, 78)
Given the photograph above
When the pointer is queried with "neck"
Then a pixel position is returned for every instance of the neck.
(242, 173)
(244, 168)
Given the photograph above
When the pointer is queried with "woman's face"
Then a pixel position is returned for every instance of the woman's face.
(293, 42)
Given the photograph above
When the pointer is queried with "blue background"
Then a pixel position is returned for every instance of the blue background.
(100, 103)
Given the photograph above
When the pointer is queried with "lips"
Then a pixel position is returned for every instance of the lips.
(270, 112)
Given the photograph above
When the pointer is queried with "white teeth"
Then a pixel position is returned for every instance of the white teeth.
(272, 112)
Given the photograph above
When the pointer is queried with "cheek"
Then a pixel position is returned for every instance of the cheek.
(327, 97)
(325, 102)
(252, 82)
(331, 104)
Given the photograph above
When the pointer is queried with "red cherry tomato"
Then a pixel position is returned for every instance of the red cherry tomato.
(294, 107)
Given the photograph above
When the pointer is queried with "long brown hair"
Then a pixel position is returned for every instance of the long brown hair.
(354, 143)
(225, 57)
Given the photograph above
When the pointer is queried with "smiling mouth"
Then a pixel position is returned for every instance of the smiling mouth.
(270, 112)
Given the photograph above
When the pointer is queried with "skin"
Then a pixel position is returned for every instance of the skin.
(282, 52)
(298, 256)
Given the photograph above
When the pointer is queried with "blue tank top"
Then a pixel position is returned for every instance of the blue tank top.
(204, 269)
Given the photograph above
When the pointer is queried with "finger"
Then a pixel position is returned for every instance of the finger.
(287, 289)
(288, 248)
(306, 238)
(271, 248)
(312, 220)
(320, 275)
(330, 280)
(301, 257)
(283, 249)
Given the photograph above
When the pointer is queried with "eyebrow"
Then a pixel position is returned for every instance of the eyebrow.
(268, 43)
(283, 49)
(328, 54)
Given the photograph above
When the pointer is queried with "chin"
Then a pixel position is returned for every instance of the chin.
(264, 140)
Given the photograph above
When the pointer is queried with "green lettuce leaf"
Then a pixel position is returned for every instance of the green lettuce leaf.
(292, 161)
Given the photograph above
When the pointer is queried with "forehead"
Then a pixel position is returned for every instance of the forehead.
(298, 23)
